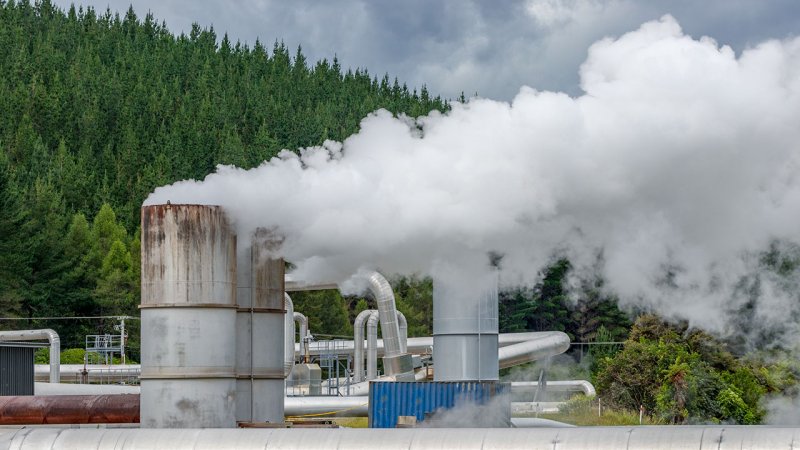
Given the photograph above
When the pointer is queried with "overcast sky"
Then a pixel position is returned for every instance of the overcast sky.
(491, 48)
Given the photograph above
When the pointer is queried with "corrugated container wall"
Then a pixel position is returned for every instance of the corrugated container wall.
(16, 370)
(188, 309)
(473, 404)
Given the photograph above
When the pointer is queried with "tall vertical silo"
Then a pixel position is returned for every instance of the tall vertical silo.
(465, 325)
(188, 310)
(260, 331)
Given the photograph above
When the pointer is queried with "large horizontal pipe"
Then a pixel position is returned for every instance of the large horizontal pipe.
(548, 344)
(556, 386)
(597, 438)
(355, 405)
(74, 373)
(421, 345)
(69, 409)
(83, 389)
(515, 348)
(322, 406)
(295, 286)
(534, 422)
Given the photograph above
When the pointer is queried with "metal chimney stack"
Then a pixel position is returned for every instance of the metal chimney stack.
(188, 305)
(465, 326)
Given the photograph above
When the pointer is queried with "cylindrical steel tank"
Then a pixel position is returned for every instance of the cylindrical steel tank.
(465, 326)
(260, 331)
(188, 321)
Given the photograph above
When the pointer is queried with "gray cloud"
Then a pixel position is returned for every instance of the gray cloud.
(489, 48)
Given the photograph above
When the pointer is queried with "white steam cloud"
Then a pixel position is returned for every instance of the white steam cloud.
(676, 167)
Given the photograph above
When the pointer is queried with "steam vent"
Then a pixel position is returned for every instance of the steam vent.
(199, 367)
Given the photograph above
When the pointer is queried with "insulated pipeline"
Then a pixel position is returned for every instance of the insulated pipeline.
(69, 409)
(598, 438)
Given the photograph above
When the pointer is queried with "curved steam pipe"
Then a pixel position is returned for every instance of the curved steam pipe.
(35, 335)
(358, 342)
(372, 346)
(396, 362)
(544, 345)
(303, 321)
(384, 297)
(288, 344)
(372, 317)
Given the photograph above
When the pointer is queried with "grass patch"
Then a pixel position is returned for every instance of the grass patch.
(352, 422)
(583, 411)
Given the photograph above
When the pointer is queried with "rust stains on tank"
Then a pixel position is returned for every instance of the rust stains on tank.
(188, 256)
(268, 270)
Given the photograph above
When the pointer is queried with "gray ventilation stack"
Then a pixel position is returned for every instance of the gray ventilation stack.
(260, 331)
(465, 326)
(188, 311)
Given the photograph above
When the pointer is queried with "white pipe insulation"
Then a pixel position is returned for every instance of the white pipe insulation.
(401, 318)
(288, 342)
(353, 406)
(304, 337)
(372, 346)
(358, 347)
(556, 386)
(542, 344)
(36, 335)
(396, 362)
(539, 347)
(371, 316)
(721, 437)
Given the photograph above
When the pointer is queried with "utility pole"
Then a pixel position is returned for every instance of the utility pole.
(122, 337)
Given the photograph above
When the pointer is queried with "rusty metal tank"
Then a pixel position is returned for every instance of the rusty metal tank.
(188, 312)
(260, 331)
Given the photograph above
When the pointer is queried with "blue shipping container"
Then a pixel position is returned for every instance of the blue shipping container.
(446, 404)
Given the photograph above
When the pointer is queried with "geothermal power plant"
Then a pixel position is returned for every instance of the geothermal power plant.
(221, 368)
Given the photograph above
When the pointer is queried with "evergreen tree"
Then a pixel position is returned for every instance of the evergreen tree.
(114, 292)
(15, 256)
(104, 233)
(45, 228)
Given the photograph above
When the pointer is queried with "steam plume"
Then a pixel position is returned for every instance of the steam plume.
(679, 163)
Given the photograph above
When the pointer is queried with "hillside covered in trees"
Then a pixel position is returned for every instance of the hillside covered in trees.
(98, 109)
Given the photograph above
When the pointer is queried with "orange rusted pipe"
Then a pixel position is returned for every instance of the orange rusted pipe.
(69, 409)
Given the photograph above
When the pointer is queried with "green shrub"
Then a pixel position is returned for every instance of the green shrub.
(68, 356)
